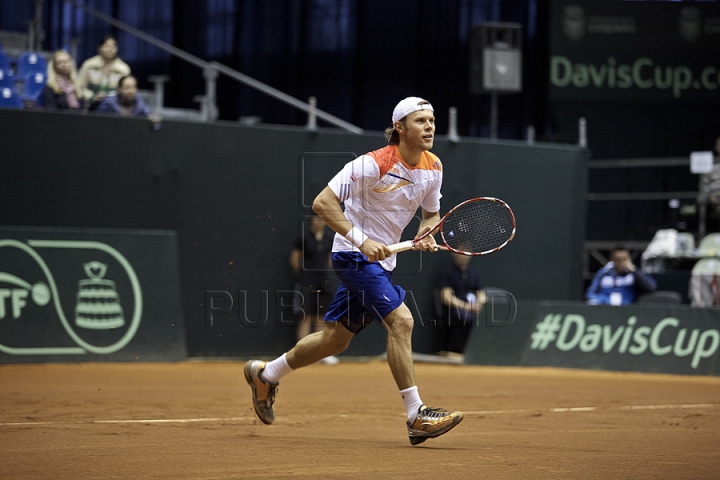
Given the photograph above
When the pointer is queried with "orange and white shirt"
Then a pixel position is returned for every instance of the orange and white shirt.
(382, 193)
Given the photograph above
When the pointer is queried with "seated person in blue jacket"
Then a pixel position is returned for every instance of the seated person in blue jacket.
(126, 102)
(619, 282)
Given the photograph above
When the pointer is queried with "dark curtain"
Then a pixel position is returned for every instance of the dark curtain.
(358, 58)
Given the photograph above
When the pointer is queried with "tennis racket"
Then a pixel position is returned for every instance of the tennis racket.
(475, 227)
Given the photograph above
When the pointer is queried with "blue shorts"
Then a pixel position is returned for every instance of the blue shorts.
(366, 292)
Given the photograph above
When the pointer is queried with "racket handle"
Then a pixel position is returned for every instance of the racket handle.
(402, 246)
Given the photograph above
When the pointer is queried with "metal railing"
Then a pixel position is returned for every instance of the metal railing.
(698, 196)
(210, 74)
(622, 163)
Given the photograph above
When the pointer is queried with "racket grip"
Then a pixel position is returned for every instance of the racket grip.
(402, 246)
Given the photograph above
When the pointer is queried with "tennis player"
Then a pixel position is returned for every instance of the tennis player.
(381, 191)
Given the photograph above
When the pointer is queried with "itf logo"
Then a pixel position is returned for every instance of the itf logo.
(61, 297)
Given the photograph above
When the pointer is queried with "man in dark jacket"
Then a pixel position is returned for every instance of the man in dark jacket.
(127, 102)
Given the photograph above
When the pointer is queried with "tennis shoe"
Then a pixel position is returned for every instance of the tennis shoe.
(430, 423)
(263, 392)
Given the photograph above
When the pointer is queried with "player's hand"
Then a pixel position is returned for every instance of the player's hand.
(427, 243)
(375, 251)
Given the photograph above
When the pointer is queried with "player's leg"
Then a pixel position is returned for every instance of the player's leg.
(323, 299)
(264, 378)
(399, 324)
(423, 422)
(318, 326)
(331, 340)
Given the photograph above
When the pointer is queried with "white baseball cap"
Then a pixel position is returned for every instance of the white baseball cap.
(408, 106)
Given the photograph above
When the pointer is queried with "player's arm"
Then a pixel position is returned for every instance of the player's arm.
(327, 205)
(429, 220)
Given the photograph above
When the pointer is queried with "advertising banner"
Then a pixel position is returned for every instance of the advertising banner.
(69, 295)
(622, 51)
(670, 339)
(643, 338)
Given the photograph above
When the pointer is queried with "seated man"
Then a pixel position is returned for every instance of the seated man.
(619, 282)
(127, 102)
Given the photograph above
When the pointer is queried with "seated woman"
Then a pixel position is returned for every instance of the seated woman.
(99, 75)
(62, 90)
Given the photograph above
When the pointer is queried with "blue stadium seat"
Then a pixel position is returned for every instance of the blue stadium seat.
(7, 78)
(10, 98)
(5, 65)
(31, 63)
(33, 86)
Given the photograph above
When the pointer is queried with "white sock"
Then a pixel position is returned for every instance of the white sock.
(411, 397)
(276, 369)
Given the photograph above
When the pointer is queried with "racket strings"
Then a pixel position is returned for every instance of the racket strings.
(478, 227)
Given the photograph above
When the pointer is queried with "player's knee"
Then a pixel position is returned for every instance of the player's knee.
(336, 340)
(339, 345)
(400, 322)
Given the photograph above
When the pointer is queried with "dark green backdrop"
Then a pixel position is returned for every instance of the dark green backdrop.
(237, 196)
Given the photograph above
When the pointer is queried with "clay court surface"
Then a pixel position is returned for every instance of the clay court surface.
(194, 421)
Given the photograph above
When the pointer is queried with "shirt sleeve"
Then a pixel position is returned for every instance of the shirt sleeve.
(644, 283)
(592, 292)
(354, 177)
(431, 202)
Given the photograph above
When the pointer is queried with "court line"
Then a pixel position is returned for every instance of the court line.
(656, 407)
(162, 420)
(573, 409)
(593, 409)
(174, 420)
(477, 412)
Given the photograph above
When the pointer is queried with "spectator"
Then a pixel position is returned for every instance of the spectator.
(709, 196)
(462, 296)
(619, 282)
(62, 90)
(99, 75)
(311, 263)
(126, 102)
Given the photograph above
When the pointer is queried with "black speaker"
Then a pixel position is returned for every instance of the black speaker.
(496, 58)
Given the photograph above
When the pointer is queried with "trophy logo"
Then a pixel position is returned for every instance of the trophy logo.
(98, 305)
(97, 316)
(690, 24)
(574, 22)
